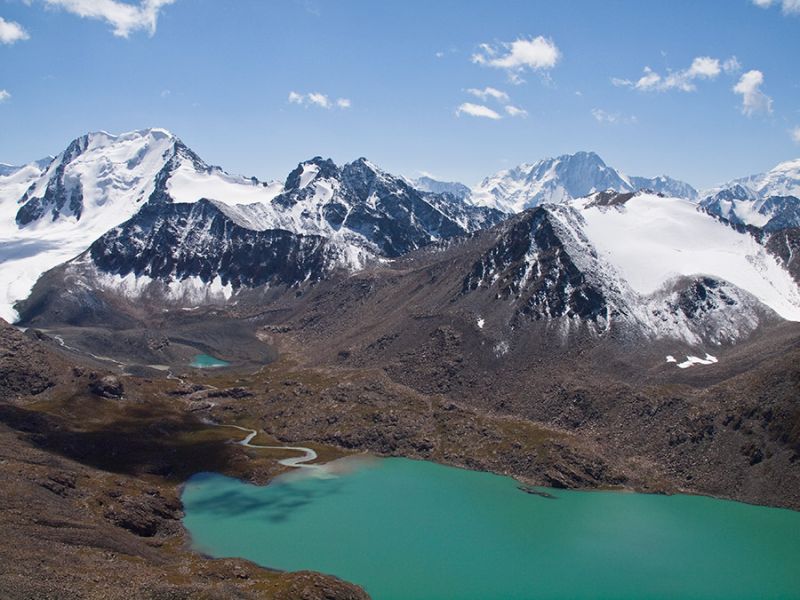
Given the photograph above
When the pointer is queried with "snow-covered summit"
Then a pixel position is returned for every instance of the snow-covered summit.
(664, 184)
(49, 215)
(562, 179)
(429, 184)
(769, 200)
(97, 173)
(782, 180)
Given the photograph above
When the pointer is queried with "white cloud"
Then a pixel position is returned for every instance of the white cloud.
(4, 95)
(489, 92)
(795, 133)
(702, 67)
(515, 111)
(477, 110)
(649, 81)
(318, 99)
(789, 7)
(125, 18)
(754, 101)
(609, 118)
(11, 32)
(311, 8)
(535, 54)
(732, 65)
(480, 110)
(166, 93)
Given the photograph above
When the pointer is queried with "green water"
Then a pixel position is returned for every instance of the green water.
(206, 361)
(409, 529)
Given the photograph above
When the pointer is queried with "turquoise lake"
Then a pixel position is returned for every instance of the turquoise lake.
(409, 530)
(206, 361)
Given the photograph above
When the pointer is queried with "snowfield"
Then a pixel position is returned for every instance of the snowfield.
(652, 240)
(187, 185)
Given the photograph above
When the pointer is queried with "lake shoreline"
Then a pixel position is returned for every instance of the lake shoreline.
(392, 475)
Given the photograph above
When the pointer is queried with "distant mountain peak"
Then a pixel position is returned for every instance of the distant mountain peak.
(435, 186)
(564, 178)
(309, 170)
(769, 200)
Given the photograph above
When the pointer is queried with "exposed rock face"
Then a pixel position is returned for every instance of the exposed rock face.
(609, 198)
(107, 386)
(530, 265)
(25, 368)
(177, 241)
(738, 206)
(58, 197)
(386, 212)
(786, 246)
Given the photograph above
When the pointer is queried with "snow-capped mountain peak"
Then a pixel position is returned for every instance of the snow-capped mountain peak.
(97, 172)
(434, 186)
(770, 200)
(564, 178)
(310, 170)
(781, 180)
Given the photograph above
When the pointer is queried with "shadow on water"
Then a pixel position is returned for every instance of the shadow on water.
(276, 503)
(535, 491)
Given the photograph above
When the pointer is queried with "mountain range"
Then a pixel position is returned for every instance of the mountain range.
(625, 337)
(578, 243)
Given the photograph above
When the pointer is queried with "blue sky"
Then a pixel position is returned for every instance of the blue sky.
(219, 74)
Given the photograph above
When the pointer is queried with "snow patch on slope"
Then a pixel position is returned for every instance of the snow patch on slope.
(186, 184)
(189, 290)
(310, 171)
(652, 240)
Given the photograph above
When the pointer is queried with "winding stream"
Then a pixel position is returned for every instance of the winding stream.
(294, 461)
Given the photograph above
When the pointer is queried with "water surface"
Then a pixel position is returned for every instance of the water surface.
(206, 361)
(409, 530)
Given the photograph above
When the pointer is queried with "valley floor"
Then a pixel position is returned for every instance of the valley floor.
(94, 457)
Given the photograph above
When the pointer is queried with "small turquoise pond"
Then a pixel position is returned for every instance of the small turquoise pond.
(206, 361)
(411, 530)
